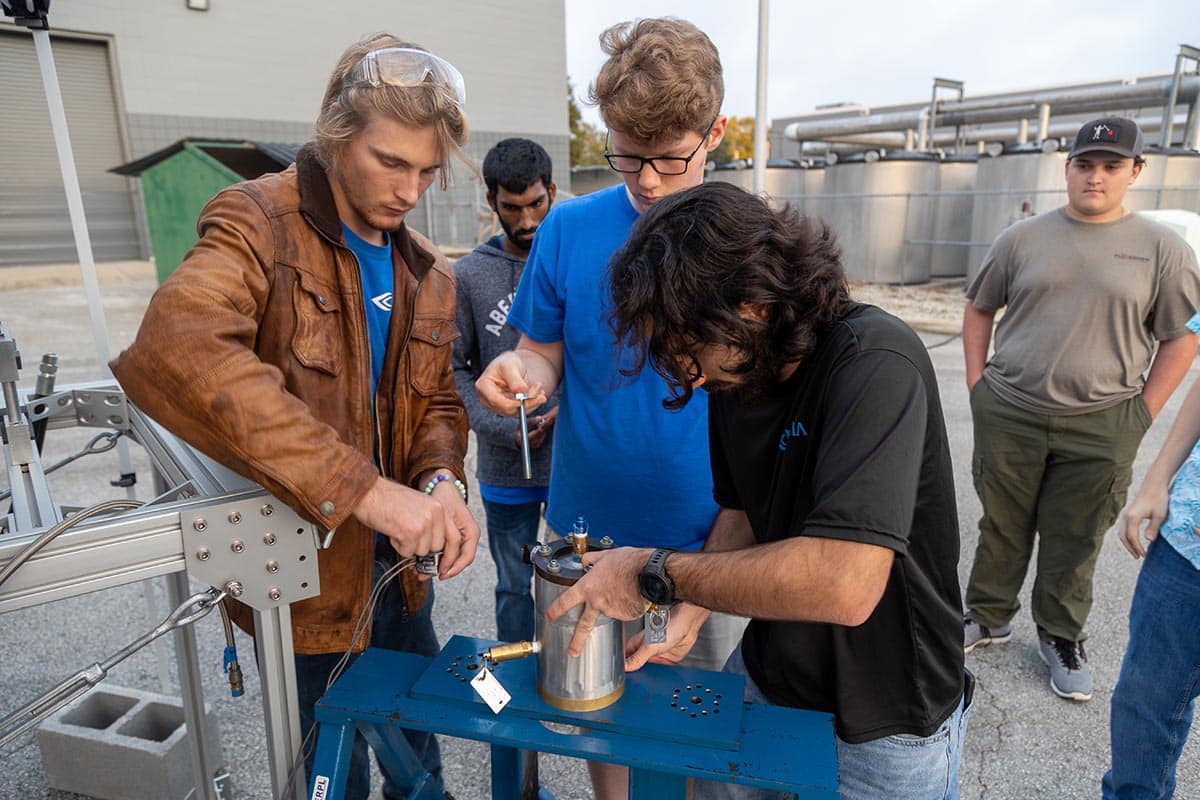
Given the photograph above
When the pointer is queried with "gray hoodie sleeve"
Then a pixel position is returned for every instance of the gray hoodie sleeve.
(467, 368)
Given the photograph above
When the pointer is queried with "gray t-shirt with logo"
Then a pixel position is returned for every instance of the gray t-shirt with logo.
(1085, 304)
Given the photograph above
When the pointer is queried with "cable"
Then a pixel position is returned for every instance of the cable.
(360, 626)
(230, 661)
(945, 341)
(47, 537)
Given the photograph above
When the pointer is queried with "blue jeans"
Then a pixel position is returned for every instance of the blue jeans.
(900, 767)
(393, 628)
(509, 528)
(1160, 678)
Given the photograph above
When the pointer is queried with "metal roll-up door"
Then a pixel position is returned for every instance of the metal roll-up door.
(34, 224)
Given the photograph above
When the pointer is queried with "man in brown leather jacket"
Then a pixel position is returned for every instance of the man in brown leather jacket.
(305, 342)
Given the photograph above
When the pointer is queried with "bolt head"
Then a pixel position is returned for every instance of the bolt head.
(267, 510)
(234, 589)
(274, 593)
(234, 518)
(272, 566)
(268, 538)
(199, 524)
(237, 546)
(203, 554)
(554, 566)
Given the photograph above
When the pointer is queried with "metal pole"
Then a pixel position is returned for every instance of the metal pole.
(760, 103)
(1043, 122)
(204, 769)
(83, 242)
(91, 285)
(66, 162)
(281, 706)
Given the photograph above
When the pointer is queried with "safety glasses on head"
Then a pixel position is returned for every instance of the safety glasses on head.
(410, 68)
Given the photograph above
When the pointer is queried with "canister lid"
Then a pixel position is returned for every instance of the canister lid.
(558, 562)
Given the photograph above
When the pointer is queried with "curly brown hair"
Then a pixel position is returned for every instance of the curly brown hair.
(662, 79)
(346, 109)
(693, 265)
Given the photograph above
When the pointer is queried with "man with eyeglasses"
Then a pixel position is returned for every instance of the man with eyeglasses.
(310, 349)
(637, 472)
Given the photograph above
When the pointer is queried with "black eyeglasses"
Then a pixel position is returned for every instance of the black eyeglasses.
(663, 165)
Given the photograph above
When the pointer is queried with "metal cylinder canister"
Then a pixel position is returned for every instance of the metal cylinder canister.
(596, 678)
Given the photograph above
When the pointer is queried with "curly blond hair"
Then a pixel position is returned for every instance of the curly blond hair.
(346, 109)
(662, 79)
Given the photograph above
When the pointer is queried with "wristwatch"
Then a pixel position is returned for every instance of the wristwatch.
(654, 582)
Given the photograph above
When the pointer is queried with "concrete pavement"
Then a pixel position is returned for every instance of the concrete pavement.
(1024, 742)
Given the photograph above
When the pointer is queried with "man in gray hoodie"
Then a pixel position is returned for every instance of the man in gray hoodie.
(520, 190)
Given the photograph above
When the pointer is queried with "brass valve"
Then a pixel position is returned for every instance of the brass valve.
(511, 651)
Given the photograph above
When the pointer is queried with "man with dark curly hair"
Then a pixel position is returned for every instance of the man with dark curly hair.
(837, 532)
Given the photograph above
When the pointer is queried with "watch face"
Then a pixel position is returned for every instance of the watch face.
(654, 588)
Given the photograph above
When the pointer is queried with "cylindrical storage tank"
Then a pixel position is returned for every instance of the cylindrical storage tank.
(1010, 187)
(882, 213)
(734, 172)
(1170, 179)
(783, 181)
(1182, 180)
(595, 679)
(784, 184)
(952, 216)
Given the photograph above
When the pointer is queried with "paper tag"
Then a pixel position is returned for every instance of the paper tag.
(488, 688)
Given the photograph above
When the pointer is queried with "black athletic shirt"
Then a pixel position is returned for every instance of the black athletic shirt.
(853, 446)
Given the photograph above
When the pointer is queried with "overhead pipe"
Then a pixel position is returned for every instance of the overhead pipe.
(1013, 108)
(896, 140)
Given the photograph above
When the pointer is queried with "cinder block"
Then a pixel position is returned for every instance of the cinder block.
(116, 743)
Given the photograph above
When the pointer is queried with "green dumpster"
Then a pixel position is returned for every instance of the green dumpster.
(177, 181)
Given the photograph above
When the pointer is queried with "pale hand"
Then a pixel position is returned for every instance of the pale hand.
(502, 380)
(609, 588)
(1149, 506)
(682, 631)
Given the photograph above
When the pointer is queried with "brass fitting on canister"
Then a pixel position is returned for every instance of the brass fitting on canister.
(511, 651)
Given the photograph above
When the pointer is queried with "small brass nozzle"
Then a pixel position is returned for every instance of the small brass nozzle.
(511, 652)
(579, 543)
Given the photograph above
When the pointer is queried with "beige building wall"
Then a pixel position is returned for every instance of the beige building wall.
(257, 69)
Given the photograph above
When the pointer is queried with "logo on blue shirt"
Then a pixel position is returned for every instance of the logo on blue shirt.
(383, 302)
(791, 432)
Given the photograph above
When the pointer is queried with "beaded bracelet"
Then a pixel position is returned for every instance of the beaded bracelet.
(436, 479)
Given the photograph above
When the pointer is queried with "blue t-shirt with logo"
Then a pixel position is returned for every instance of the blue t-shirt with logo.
(375, 267)
(634, 470)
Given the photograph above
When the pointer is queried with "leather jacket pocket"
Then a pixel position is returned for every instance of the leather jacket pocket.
(316, 341)
(429, 367)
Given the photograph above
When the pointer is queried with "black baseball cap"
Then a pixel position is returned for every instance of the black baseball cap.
(1109, 134)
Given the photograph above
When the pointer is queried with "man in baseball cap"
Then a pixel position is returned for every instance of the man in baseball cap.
(1093, 341)
(1112, 135)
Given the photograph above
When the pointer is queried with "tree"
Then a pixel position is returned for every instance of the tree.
(587, 143)
(738, 141)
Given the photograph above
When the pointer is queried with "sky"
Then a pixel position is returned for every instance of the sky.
(877, 53)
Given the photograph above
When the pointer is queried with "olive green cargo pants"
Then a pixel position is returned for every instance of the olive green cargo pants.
(1061, 477)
